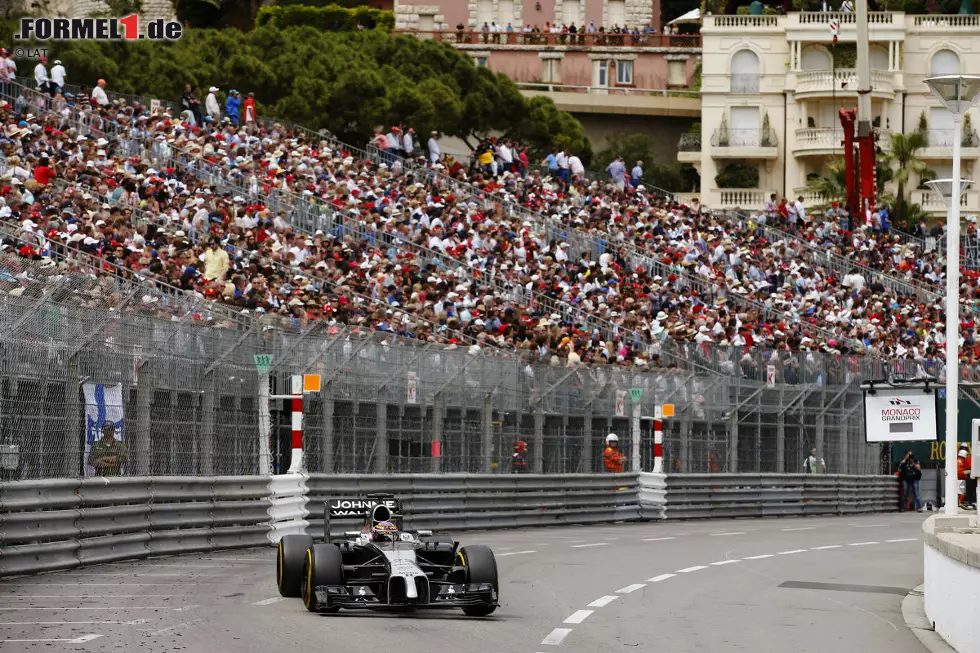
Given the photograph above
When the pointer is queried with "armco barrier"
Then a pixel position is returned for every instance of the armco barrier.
(61, 524)
(694, 496)
(452, 502)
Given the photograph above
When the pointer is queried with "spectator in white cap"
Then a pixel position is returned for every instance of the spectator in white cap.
(434, 153)
(211, 104)
(58, 75)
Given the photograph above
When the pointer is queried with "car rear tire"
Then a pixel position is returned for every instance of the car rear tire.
(324, 565)
(289, 563)
(481, 567)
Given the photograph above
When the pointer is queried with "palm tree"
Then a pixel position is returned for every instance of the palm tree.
(904, 155)
(833, 187)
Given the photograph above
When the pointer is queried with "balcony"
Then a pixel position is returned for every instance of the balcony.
(535, 41)
(818, 141)
(750, 199)
(617, 99)
(841, 83)
(746, 83)
(744, 144)
(810, 198)
(827, 141)
(939, 145)
(945, 23)
(927, 200)
(742, 22)
(689, 148)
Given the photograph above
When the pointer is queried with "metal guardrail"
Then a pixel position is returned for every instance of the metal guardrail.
(693, 496)
(67, 523)
(458, 501)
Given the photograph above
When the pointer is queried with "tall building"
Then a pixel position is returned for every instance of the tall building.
(773, 85)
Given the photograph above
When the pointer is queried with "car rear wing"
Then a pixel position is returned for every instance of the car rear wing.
(356, 508)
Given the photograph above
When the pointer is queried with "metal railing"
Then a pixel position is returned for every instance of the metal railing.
(606, 90)
(944, 138)
(689, 143)
(745, 83)
(548, 39)
(727, 137)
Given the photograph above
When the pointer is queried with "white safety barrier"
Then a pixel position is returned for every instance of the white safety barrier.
(952, 585)
(653, 495)
(288, 511)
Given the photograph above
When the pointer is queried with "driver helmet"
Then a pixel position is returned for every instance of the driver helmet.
(384, 531)
(612, 437)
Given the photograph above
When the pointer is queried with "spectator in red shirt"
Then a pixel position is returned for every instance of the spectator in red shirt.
(43, 174)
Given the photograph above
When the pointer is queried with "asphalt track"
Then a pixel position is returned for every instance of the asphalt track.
(773, 585)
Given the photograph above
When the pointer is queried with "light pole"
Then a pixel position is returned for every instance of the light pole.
(957, 93)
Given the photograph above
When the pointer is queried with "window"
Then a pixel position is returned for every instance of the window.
(879, 59)
(551, 71)
(624, 73)
(745, 72)
(427, 22)
(505, 12)
(616, 13)
(601, 73)
(481, 62)
(570, 14)
(484, 13)
(945, 62)
(815, 58)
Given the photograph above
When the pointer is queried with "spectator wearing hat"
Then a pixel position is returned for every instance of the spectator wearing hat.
(98, 94)
(211, 104)
(58, 76)
(433, 145)
(41, 76)
(233, 107)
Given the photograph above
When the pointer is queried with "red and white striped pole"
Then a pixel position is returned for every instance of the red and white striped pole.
(658, 440)
(296, 462)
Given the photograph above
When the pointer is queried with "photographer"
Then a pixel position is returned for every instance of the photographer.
(910, 471)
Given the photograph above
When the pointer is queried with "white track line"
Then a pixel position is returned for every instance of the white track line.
(76, 640)
(578, 616)
(657, 579)
(86, 596)
(764, 555)
(556, 636)
(690, 569)
(274, 599)
(868, 525)
(631, 588)
(514, 553)
(115, 607)
(603, 601)
(791, 552)
(724, 562)
(824, 548)
(113, 584)
(802, 528)
(904, 539)
(723, 534)
(585, 546)
(134, 622)
(862, 543)
(658, 539)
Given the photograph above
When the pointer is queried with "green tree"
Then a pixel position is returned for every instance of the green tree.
(903, 157)
(349, 83)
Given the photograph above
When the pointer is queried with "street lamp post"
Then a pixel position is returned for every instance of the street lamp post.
(957, 93)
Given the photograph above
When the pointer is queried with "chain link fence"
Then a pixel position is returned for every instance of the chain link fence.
(178, 377)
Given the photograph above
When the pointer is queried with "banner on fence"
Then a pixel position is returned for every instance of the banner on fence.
(103, 407)
(620, 403)
(413, 388)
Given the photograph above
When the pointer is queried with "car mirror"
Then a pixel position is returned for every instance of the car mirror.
(424, 533)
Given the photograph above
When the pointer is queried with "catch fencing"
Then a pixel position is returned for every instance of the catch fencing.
(67, 523)
(188, 391)
(184, 374)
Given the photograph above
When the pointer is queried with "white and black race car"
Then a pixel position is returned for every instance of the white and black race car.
(384, 566)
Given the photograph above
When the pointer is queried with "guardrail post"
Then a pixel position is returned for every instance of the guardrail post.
(139, 437)
(486, 439)
(326, 408)
(733, 443)
(435, 451)
(75, 412)
(265, 425)
(820, 442)
(781, 438)
(381, 439)
(635, 434)
(207, 435)
(537, 446)
(587, 440)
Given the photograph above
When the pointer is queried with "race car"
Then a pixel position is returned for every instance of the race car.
(384, 566)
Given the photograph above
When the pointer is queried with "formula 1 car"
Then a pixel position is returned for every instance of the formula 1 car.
(384, 566)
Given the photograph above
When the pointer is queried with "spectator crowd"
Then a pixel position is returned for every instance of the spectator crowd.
(301, 229)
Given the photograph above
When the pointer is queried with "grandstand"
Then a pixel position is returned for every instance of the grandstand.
(314, 230)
